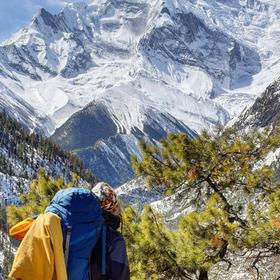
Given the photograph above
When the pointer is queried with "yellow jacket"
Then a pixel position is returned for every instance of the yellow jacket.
(40, 254)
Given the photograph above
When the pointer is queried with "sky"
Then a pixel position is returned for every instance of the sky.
(15, 14)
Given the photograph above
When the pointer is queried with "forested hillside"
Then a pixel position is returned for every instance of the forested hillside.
(22, 153)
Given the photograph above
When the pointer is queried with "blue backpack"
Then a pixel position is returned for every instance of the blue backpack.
(81, 222)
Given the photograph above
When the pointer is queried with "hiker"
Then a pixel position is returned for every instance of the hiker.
(117, 267)
(61, 243)
(57, 245)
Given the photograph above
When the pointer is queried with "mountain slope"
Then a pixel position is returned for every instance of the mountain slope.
(98, 135)
(23, 153)
(23, 112)
(265, 111)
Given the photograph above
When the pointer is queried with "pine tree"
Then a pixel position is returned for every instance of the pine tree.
(151, 249)
(217, 168)
(203, 237)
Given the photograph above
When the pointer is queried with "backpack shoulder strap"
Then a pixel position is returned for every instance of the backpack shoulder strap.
(104, 250)
(67, 243)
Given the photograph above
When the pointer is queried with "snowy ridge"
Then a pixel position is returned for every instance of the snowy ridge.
(102, 136)
(59, 63)
(23, 112)
(265, 110)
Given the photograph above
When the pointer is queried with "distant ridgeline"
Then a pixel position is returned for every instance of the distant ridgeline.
(23, 153)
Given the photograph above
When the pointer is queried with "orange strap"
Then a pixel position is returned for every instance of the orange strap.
(19, 230)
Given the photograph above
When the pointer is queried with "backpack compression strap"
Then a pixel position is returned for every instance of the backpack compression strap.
(67, 243)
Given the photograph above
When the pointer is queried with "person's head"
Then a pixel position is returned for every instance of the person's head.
(108, 198)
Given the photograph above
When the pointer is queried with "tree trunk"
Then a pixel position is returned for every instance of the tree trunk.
(203, 275)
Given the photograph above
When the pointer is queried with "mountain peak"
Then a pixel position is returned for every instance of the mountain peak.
(44, 17)
(43, 13)
(78, 6)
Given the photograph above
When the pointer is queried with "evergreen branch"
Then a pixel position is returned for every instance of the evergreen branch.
(228, 207)
(181, 271)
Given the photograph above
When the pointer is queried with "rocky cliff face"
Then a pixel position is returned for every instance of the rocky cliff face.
(265, 111)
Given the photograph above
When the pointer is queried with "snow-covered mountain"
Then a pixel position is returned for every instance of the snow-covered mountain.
(265, 111)
(196, 63)
(172, 207)
(105, 143)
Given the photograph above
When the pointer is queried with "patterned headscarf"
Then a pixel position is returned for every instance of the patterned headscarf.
(108, 198)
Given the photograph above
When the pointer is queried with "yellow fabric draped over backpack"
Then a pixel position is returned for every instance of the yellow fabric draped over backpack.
(40, 254)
